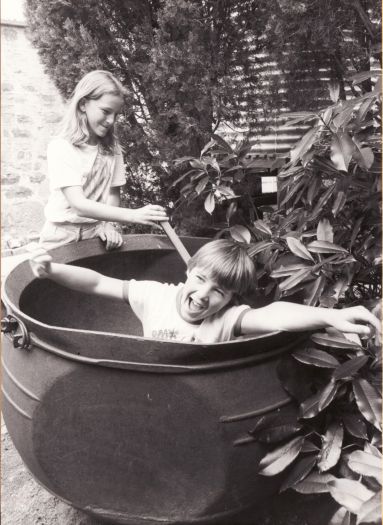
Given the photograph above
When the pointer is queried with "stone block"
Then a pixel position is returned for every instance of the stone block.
(20, 133)
(52, 118)
(23, 119)
(21, 218)
(9, 178)
(37, 177)
(18, 192)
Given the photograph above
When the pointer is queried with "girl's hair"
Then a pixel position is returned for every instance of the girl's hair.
(92, 86)
(227, 263)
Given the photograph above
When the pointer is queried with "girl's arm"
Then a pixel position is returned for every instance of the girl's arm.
(75, 277)
(84, 207)
(108, 233)
(291, 317)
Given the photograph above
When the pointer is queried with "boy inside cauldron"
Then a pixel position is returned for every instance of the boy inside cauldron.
(205, 307)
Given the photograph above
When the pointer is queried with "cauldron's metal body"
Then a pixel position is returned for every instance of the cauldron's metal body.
(129, 429)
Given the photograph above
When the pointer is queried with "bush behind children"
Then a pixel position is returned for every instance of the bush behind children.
(205, 308)
(86, 169)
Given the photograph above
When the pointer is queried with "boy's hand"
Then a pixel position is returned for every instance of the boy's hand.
(110, 236)
(349, 319)
(149, 215)
(40, 262)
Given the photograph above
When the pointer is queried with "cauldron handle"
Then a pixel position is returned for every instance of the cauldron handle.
(9, 325)
(175, 240)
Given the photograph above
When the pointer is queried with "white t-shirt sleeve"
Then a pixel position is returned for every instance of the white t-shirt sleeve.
(64, 166)
(140, 294)
(118, 175)
(227, 323)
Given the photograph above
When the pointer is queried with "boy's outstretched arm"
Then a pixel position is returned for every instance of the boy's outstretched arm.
(291, 317)
(75, 277)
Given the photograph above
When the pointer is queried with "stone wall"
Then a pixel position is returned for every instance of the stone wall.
(31, 109)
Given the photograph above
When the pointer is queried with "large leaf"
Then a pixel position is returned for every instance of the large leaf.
(314, 291)
(298, 249)
(201, 185)
(350, 367)
(325, 247)
(322, 201)
(349, 493)
(297, 116)
(232, 208)
(312, 356)
(293, 190)
(334, 341)
(371, 510)
(315, 484)
(300, 470)
(341, 517)
(368, 401)
(327, 395)
(364, 108)
(342, 148)
(365, 464)
(195, 163)
(240, 233)
(331, 447)
(309, 407)
(340, 201)
(261, 247)
(276, 461)
(209, 203)
(185, 175)
(343, 117)
(355, 425)
(325, 231)
(361, 76)
(274, 428)
(295, 279)
(304, 144)
(284, 271)
(221, 142)
(371, 449)
(363, 156)
(262, 227)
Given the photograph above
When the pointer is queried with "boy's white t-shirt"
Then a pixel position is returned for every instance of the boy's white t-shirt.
(84, 166)
(155, 304)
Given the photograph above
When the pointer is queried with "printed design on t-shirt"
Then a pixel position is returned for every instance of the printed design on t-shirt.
(98, 179)
(167, 333)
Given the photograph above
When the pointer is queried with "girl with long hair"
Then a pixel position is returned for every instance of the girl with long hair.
(86, 169)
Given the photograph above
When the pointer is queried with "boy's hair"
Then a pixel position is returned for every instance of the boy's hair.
(228, 263)
(92, 86)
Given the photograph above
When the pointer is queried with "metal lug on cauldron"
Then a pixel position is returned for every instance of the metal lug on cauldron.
(9, 325)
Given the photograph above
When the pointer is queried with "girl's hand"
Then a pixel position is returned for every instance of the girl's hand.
(149, 215)
(110, 236)
(40, 262)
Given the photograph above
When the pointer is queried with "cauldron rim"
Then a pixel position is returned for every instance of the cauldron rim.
(275, 342)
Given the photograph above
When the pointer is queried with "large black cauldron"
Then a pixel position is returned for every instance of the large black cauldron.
(129, 429)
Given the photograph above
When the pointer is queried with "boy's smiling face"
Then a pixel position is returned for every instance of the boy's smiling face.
(201, 296)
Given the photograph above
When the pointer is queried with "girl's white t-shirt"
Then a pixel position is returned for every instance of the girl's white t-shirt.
(85, 166)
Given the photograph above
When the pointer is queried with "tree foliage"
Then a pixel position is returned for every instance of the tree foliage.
(190, 65)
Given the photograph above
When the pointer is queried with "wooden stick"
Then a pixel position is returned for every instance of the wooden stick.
(175, 240)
